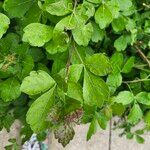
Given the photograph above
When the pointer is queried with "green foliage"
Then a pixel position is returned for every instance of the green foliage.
(68, 62)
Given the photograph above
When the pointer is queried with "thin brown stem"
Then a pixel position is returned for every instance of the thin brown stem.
(110, 134)
(142, 55)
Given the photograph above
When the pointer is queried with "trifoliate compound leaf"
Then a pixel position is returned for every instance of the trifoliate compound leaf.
(98, 64)
(37, 113)
(60, 8)
(37, 82)
(95, 90)
(128, 65)
(103, 16)
(37, 34)
(143, 98)
(135, 114)
(10, 89)
(17, 8)
(4, 24)
(124, 98)
(83, 34)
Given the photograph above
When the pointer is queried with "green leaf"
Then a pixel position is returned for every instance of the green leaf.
(8, 121)
(98, 34)
(118, 109)
(60, 8)
(17, 8)
(37, 34)
(37, 83)
(124, 97)
(92, 129)
(38, 111)
(114, 81)
(102, 120)
(119, 24)
(98, 64)
(95, 90)
(10, 89)
(95, 1)
(125, 4)
(75, 91)
(75, 72)
(113, 6)
(83, 34)
(135, 114)
(121, 43)
(116, 62)
(143, 98)
(128, 65)
(4, 24)
(147, 118)
(103, 16)
(139, 139)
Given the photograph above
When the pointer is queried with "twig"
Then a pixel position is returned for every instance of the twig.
(110, 133)
(135, 81)
(142, 55)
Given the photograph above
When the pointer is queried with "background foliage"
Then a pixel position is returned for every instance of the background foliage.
(68, 62)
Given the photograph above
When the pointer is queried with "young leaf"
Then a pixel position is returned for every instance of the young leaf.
(4, 24)
(83, 34)
(92, 129)
(95, 90)
(124, 97)
(103, 16)
(135, 114)
(98, 64)
(143, 98)
(38, 111)
(17, 8)
(37, 34)
(37, 83)
(10, 89)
